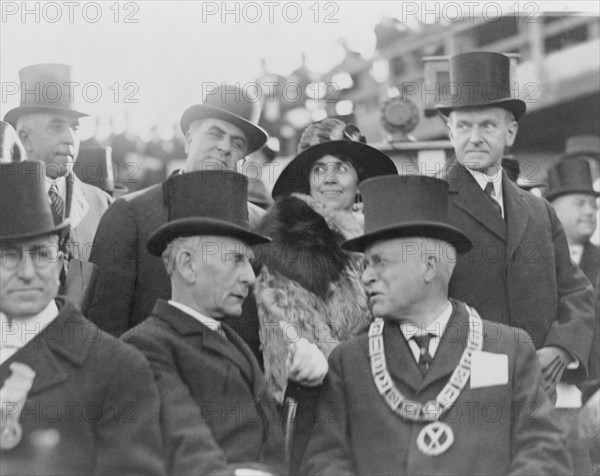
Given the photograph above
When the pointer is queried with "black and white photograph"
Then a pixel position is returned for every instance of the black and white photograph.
(321, 238)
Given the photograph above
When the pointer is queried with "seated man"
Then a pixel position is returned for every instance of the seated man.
(217, 414)
(74, 400)
(432, 388)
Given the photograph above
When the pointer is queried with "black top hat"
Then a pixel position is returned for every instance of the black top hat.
(482, 79)
(93, 166)
(44, 88)
(400, 206)
(295, 178)
(583, 145)
(24, 203)
(567, 177)
(229, 103)
(11, 149)
(210, 202)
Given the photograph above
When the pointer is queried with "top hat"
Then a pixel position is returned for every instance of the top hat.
(44, 88)
(11, 149)
(24, 204)
(230, 104)
(568, 177)
(482, 79)
(586, 145)
(401, 206)
(209, 202)
(92, 167)
(295, 178)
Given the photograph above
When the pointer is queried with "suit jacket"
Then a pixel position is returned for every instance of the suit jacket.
(520, 272)
(216, 411)
(131, 279)
(590, 265)
(93, 407)
(500, 429)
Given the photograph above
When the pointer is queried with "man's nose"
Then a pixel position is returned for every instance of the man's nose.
(247, 276)
(475, 135)
(367, 276)
(26, 268)
(69, 136)
(225, 144)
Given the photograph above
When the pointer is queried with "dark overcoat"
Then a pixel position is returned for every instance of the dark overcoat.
(499, 429)
(93, 407)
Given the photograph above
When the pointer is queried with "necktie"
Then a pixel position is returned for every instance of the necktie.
(489, 191)
(56, 203)
(425, 358)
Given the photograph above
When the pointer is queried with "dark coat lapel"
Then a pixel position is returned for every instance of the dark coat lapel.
(516, 212)
(200, 336)
(58, 339)
(452, 345)
(469, 197)
(400, 361)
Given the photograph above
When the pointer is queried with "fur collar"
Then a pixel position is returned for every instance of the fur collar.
(306, 242)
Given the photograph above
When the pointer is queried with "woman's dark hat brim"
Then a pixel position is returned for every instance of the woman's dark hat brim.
(434, 230)
(256, 136)
(13, 116)
(198, 226)
(516, 106)
(295, 178)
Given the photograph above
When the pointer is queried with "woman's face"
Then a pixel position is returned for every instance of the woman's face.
(333, 182)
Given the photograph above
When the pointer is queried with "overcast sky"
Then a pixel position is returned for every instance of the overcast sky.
(152, 58)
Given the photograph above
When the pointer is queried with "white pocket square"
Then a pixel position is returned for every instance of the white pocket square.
(488, 369)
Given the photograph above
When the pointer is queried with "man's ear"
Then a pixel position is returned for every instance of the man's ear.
(431, 267)
(25, 139)
(185, 265)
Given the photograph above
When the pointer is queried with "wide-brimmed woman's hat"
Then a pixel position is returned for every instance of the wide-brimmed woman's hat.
(568, 177)
(480, 79)
(48, 89)
(296, 177)
(230, 104)
(210, 202)
(24, 203)
(401, 206)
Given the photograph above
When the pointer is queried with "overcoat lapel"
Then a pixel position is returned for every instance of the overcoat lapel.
(468, 196)
(517, 214)
(77, 205)
(400, 361)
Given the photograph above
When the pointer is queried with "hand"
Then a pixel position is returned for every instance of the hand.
(554, 361)
(305, 363)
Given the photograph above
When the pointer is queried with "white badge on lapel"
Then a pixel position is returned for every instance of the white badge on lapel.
(488, 369)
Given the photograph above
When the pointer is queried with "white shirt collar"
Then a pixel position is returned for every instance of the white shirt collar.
(483, 179)
(16, 333)
(576, 251)
(209, 322)
(435, 327)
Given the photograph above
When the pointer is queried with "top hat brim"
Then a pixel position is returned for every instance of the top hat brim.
(54, 230)
(516, 106)
(427, 229)
(12, 116)
(198, 226)
(559, 192)
(256, 136)
(295, 178)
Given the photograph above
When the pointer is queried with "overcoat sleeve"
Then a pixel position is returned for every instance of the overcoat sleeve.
(537, 445)
(573, 328)
(328, 452)
(115, 254)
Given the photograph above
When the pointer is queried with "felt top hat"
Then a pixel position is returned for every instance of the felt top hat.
(44, 88)
(209, 202)
(231, 104)
(586, 145)
(93, 166)
(568, 177)
(11, 149)
(24, 204)
(513, 169)
(482, 79)
(401, 206)
(296, 177)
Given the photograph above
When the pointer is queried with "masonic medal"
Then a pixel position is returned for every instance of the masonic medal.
(435, 439)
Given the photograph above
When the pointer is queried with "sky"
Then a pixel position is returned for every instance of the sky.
(152, 59)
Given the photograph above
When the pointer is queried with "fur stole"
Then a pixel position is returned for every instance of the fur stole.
(306, 281)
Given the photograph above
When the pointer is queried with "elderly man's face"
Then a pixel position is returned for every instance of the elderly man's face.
(213, 144)
(393, 277)
(30, 275)
(223, 276)
(480, 136)
(51, 138)
(578, 214)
